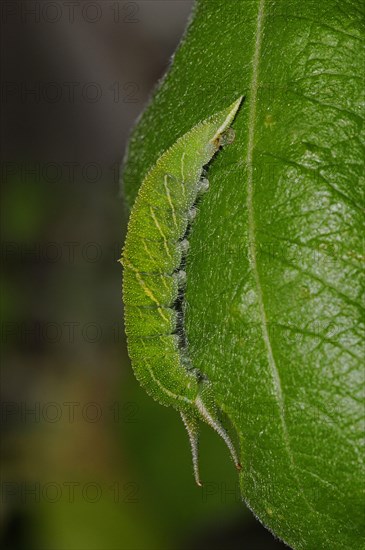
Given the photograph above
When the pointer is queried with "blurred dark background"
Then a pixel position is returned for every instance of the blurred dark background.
(88, 460)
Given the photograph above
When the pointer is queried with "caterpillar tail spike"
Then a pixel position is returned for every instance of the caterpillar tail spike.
(208, 411)
(191, 425)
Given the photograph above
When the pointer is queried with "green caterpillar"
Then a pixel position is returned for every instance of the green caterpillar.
(153, 280)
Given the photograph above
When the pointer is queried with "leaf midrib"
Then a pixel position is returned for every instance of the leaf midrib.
(252, 103)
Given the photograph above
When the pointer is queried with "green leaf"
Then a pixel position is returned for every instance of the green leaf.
(274, 313)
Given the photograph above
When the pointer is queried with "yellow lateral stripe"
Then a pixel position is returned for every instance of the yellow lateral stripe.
(148, 250)
(168, 392)
(161, 232)
(147, 290)
(170, 201)
(150, 294)
(164, 282)
(128, 265)
(182, 165)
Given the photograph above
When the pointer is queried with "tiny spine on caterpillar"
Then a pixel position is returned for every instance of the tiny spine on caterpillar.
(153, 277)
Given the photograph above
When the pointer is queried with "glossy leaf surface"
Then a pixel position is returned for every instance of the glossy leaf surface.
(274, 277)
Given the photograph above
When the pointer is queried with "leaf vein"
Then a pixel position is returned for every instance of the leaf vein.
(252, 246)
